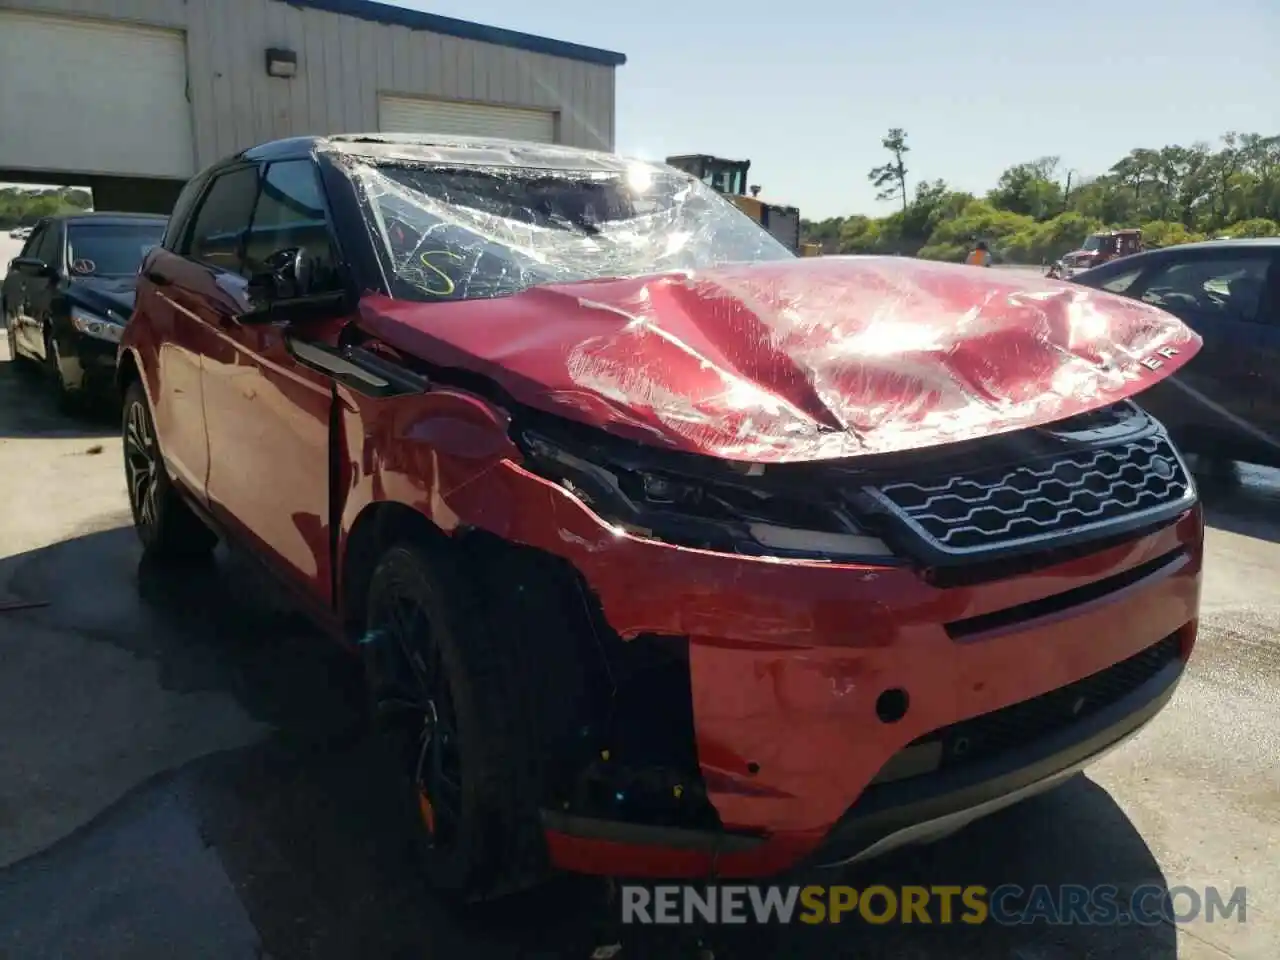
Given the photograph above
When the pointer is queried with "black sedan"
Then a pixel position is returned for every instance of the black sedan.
(69, 293)
(1225, 404)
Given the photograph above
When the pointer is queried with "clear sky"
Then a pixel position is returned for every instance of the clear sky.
(806, 90)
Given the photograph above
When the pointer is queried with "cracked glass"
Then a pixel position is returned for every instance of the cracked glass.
(465, 233)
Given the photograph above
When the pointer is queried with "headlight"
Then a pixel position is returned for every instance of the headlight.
(97, 326)
(734, 513)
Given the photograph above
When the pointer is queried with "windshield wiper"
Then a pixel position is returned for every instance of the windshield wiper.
(586, 224)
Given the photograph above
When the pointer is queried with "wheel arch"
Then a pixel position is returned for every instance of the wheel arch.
(128, 372)
(137, 362)
(376, 528)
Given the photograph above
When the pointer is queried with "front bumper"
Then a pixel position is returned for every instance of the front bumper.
(88, 363)
(790, 662)
(895, 815)
(883, 819)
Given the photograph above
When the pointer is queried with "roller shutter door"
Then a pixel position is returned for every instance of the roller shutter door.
(93, 97)
(414, 115)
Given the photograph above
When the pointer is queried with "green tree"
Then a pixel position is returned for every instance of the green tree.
(890, 179)
(1030, 189)
(1257, 227)
(979, 219)
(1047, 241)
(1175, 194)
(1165, 233)
(23, 207)
(1259, 187)
(859, 235)
(825, 233)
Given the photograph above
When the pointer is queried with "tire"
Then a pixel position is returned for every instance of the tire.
(167, 527)
(483, 839)
(1218, 474)
(68, 401)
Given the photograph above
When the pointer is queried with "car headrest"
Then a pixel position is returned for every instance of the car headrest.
(1245, 294)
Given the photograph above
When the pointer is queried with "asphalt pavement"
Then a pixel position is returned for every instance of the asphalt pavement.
(182, 775)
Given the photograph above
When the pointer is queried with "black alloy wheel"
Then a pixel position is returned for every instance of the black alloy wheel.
(141, 464)
(414, 705)
(476, 689)
(459, 735)
(164, 523)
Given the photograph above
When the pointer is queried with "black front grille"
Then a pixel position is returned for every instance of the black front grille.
(1086, 489)
(991, 734)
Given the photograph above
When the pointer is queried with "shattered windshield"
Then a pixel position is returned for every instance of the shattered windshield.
(461, 233)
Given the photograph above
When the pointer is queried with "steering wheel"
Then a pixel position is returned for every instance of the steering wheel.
(1168, 295)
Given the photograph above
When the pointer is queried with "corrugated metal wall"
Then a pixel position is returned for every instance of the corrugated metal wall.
(344, 63)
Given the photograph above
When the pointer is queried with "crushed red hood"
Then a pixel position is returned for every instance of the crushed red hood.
(801, 359)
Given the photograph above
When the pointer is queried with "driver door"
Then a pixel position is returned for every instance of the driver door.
(38, 291)
(267, 415)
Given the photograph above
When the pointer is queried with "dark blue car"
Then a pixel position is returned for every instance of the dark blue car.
(67, 296)
(1225, 404)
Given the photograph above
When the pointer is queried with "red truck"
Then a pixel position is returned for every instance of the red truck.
(663, 551)
(1097, 249)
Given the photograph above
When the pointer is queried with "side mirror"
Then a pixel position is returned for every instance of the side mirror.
(286, 277)
(32, 267)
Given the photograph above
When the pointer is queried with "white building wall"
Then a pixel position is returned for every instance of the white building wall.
(343, 64)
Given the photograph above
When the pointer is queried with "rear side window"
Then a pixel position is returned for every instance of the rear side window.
(217, 233)
(291, 216)
(33, 242)
(179, 217)
(46, 247)
(1232, 287)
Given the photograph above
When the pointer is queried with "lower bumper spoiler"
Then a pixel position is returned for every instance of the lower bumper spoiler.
(900, 814)
(884, 818)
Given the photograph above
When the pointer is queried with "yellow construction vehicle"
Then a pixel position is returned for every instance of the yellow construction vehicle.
(729, 177)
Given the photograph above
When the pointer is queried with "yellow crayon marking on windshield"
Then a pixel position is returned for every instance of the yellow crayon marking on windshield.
(450, 286)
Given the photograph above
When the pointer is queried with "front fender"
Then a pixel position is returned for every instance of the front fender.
(138, 350)
(417, 451)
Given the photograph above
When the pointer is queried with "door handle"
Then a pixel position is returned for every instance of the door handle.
(158, 278)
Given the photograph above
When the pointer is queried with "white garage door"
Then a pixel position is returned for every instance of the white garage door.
(414, 115)
(91, 97)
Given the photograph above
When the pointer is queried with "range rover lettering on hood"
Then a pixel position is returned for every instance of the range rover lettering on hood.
(802, 359)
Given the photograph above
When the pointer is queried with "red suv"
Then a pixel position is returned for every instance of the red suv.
(665, 552)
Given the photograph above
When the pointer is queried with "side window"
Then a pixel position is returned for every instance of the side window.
(291, 216)
(1231, 287)
(33, 242)
(179, 216)
(217, 234)
(1122, 282)
(47, 249)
